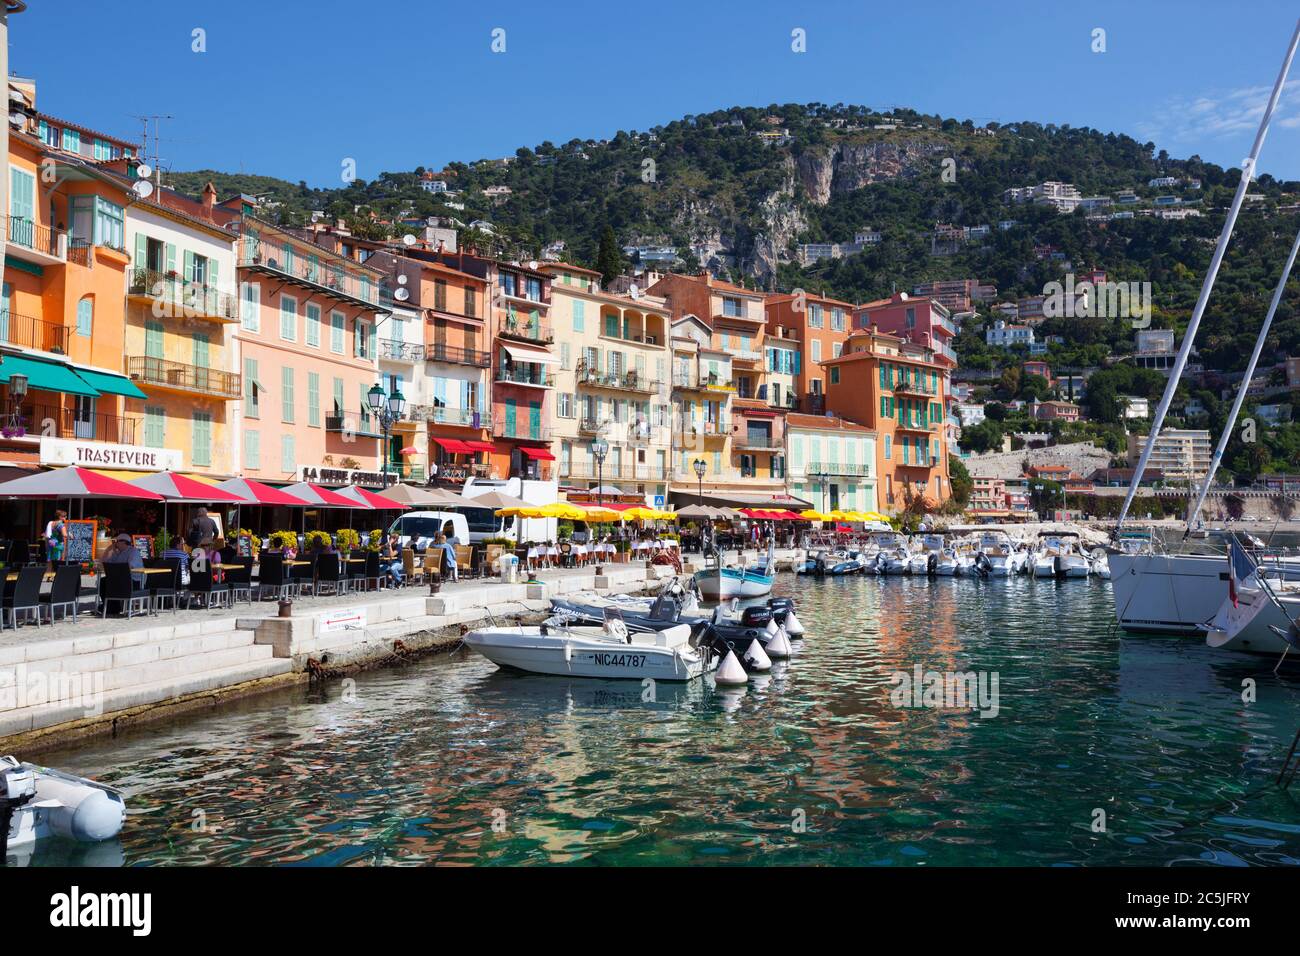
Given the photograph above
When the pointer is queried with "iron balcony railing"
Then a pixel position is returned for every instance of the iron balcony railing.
(33, 333)
(814, 468)
(525, 328)
(628, 470)
(183, 377)
(527, 375)
(174, 296)
(324, 271)
(760, 442)
(912, 387)
(32, 235)
(360, 424)
(456, 355)
(629, 381)
(443, 415)
(502, 428)
(721, 427)
(66, 423)
(406, 470)
(397, 351)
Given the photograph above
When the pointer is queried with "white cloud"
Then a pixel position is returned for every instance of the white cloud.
(1222, 115)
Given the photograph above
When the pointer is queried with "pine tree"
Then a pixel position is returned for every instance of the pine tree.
(609, 260)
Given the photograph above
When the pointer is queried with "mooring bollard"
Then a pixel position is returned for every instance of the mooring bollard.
(286, 608)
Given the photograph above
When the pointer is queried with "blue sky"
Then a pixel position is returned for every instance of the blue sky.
(291, 88)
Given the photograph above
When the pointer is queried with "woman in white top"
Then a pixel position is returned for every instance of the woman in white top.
(534, 552)
(579, 555)
(552, 554)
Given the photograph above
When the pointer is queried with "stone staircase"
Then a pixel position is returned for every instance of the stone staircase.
(53, 682)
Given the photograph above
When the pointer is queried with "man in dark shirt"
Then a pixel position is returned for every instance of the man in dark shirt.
(202, 528)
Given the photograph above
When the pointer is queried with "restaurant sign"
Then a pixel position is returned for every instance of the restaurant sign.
(337, 477)
(98, 454)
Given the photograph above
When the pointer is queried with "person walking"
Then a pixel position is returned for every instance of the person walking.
(202, 528)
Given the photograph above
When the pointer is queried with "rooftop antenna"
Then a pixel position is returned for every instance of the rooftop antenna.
(144, 142)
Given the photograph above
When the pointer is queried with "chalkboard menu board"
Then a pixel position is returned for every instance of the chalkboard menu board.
(144, 544)
(244, 546)
(80, 547)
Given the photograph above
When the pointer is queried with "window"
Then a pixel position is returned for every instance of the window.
(250, 388)
(337, 324)
(564, 405)
(22, 205)
(288, 455)
(155, 426)
(579, 315)
(565, 355)
(777, 467)
(72, 141)
(361, 340)
(288, 318)
(835, 375)
(286, 394)
(747, 469)
(837, 349)
(250, 302)
(507, 281)
(837, 319)
(815, 317)
(471, 307)
(313, 399)
(252, 449)
(717, 462)
(911, 318)
(535, 289)
(338, 397)
(888, 447)
(85, 315)
(816, 350)
(201, 438)
(311, 330)
(733, 307)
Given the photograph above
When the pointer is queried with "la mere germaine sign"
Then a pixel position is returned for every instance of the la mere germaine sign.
(344, 476)
(64, 451)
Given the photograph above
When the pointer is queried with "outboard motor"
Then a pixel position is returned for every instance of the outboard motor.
(17, 787)
(932, 565)
(756, 617)
(783, 614)
(982, 564)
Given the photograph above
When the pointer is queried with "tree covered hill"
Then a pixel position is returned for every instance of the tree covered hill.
(736, 191)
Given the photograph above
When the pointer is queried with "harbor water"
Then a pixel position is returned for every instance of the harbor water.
(1105, 749)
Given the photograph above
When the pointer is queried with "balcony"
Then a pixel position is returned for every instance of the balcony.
(406, 471)
(837, 469)
(333, 278)
(588, 426)
(627, 471)
(758, 442)
(35, 243)
(745, 355)
(186, 379)
(453, 475)
(915, 425)
(360, 425)
(171, 296)
(522, 431)
(33, 333)
(788, 401)
(526, 375)
(912, 387)
(621, 381)
(441, 415)
(524, 329)
(392, 350)
(455, 355)
(58, 422)
(717, 429)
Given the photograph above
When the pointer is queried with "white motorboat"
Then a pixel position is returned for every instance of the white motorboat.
(947, 564)
(37, 802)
(1057, 556)
(559, 647)
(926, 555)
(1005, 557)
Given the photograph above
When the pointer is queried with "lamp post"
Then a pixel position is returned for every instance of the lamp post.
(699, 467)
(600, 448)
(389, 408)
(823, 478)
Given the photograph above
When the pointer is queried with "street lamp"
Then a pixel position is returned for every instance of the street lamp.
(699, 467)
(389, 408)
(600, 448)
(823, 478)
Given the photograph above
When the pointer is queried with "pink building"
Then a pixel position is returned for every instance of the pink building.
(920, 319)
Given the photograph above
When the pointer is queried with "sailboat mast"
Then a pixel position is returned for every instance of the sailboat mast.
(1189, 337)
(1231, 421)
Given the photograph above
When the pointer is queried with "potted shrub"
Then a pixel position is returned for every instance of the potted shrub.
(374, 540)
(317, 541)
(348, 540)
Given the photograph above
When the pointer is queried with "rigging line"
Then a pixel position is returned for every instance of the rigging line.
(1240, 398)
(1221, 247)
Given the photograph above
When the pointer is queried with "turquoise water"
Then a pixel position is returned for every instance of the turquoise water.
(450, 761)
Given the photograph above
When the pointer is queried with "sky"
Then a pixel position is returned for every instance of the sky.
(295, 88)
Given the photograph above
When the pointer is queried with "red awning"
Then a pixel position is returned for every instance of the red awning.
(538, 454)
(480, 446)
(455, 446)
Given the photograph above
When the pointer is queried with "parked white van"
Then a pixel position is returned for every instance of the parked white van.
(420, 528)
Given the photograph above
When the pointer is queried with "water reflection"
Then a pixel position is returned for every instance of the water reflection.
(450, 761)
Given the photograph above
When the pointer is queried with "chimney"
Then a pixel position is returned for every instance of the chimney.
(209, 198)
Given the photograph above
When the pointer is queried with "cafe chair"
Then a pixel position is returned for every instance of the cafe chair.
(302, 577)
(464, 557)
(270, 576)
(120, 585)
(329, 574)
(162, 587)
(432, 566)
(239, 578)
(25, 596)
(356, 572)
(64, 592)
(202, 584)
(373, 573)
(411, 572)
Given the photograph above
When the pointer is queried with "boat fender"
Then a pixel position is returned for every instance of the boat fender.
(756, 657)
(792, 625)
(771, 626)
(778, 648)
(568, 652)
(730, 672)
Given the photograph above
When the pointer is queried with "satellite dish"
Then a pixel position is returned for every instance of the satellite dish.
(533, 265)
(144, 170)
(401, 295)
(401, 280)
(408, 240)
(634, 291)
(16, 118)
(143, 188)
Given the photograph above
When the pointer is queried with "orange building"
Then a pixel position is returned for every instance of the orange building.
(820, 325)
(899, 390)
(62, 316)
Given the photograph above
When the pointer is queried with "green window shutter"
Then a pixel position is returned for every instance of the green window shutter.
(171, 257)
(313, 325)
(187, 257)
(313, 398)
(579, 315)
(201, 438)
(252, 449)
(250, 388)
(153, 340)
(201, 349)
(288, 454)
(154, 426)
(141, 259)
(286, 394)
(371, 335)
(85, 316)
(338, 396)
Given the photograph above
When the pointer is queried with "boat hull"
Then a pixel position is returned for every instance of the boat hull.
(726, 583)
(546, 654)
(1249, 626)
(1167, 593)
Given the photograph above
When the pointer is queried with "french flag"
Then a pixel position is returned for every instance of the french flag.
(1240, 567)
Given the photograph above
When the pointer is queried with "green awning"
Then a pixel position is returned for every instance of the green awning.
(45, 375)
(111, 384)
